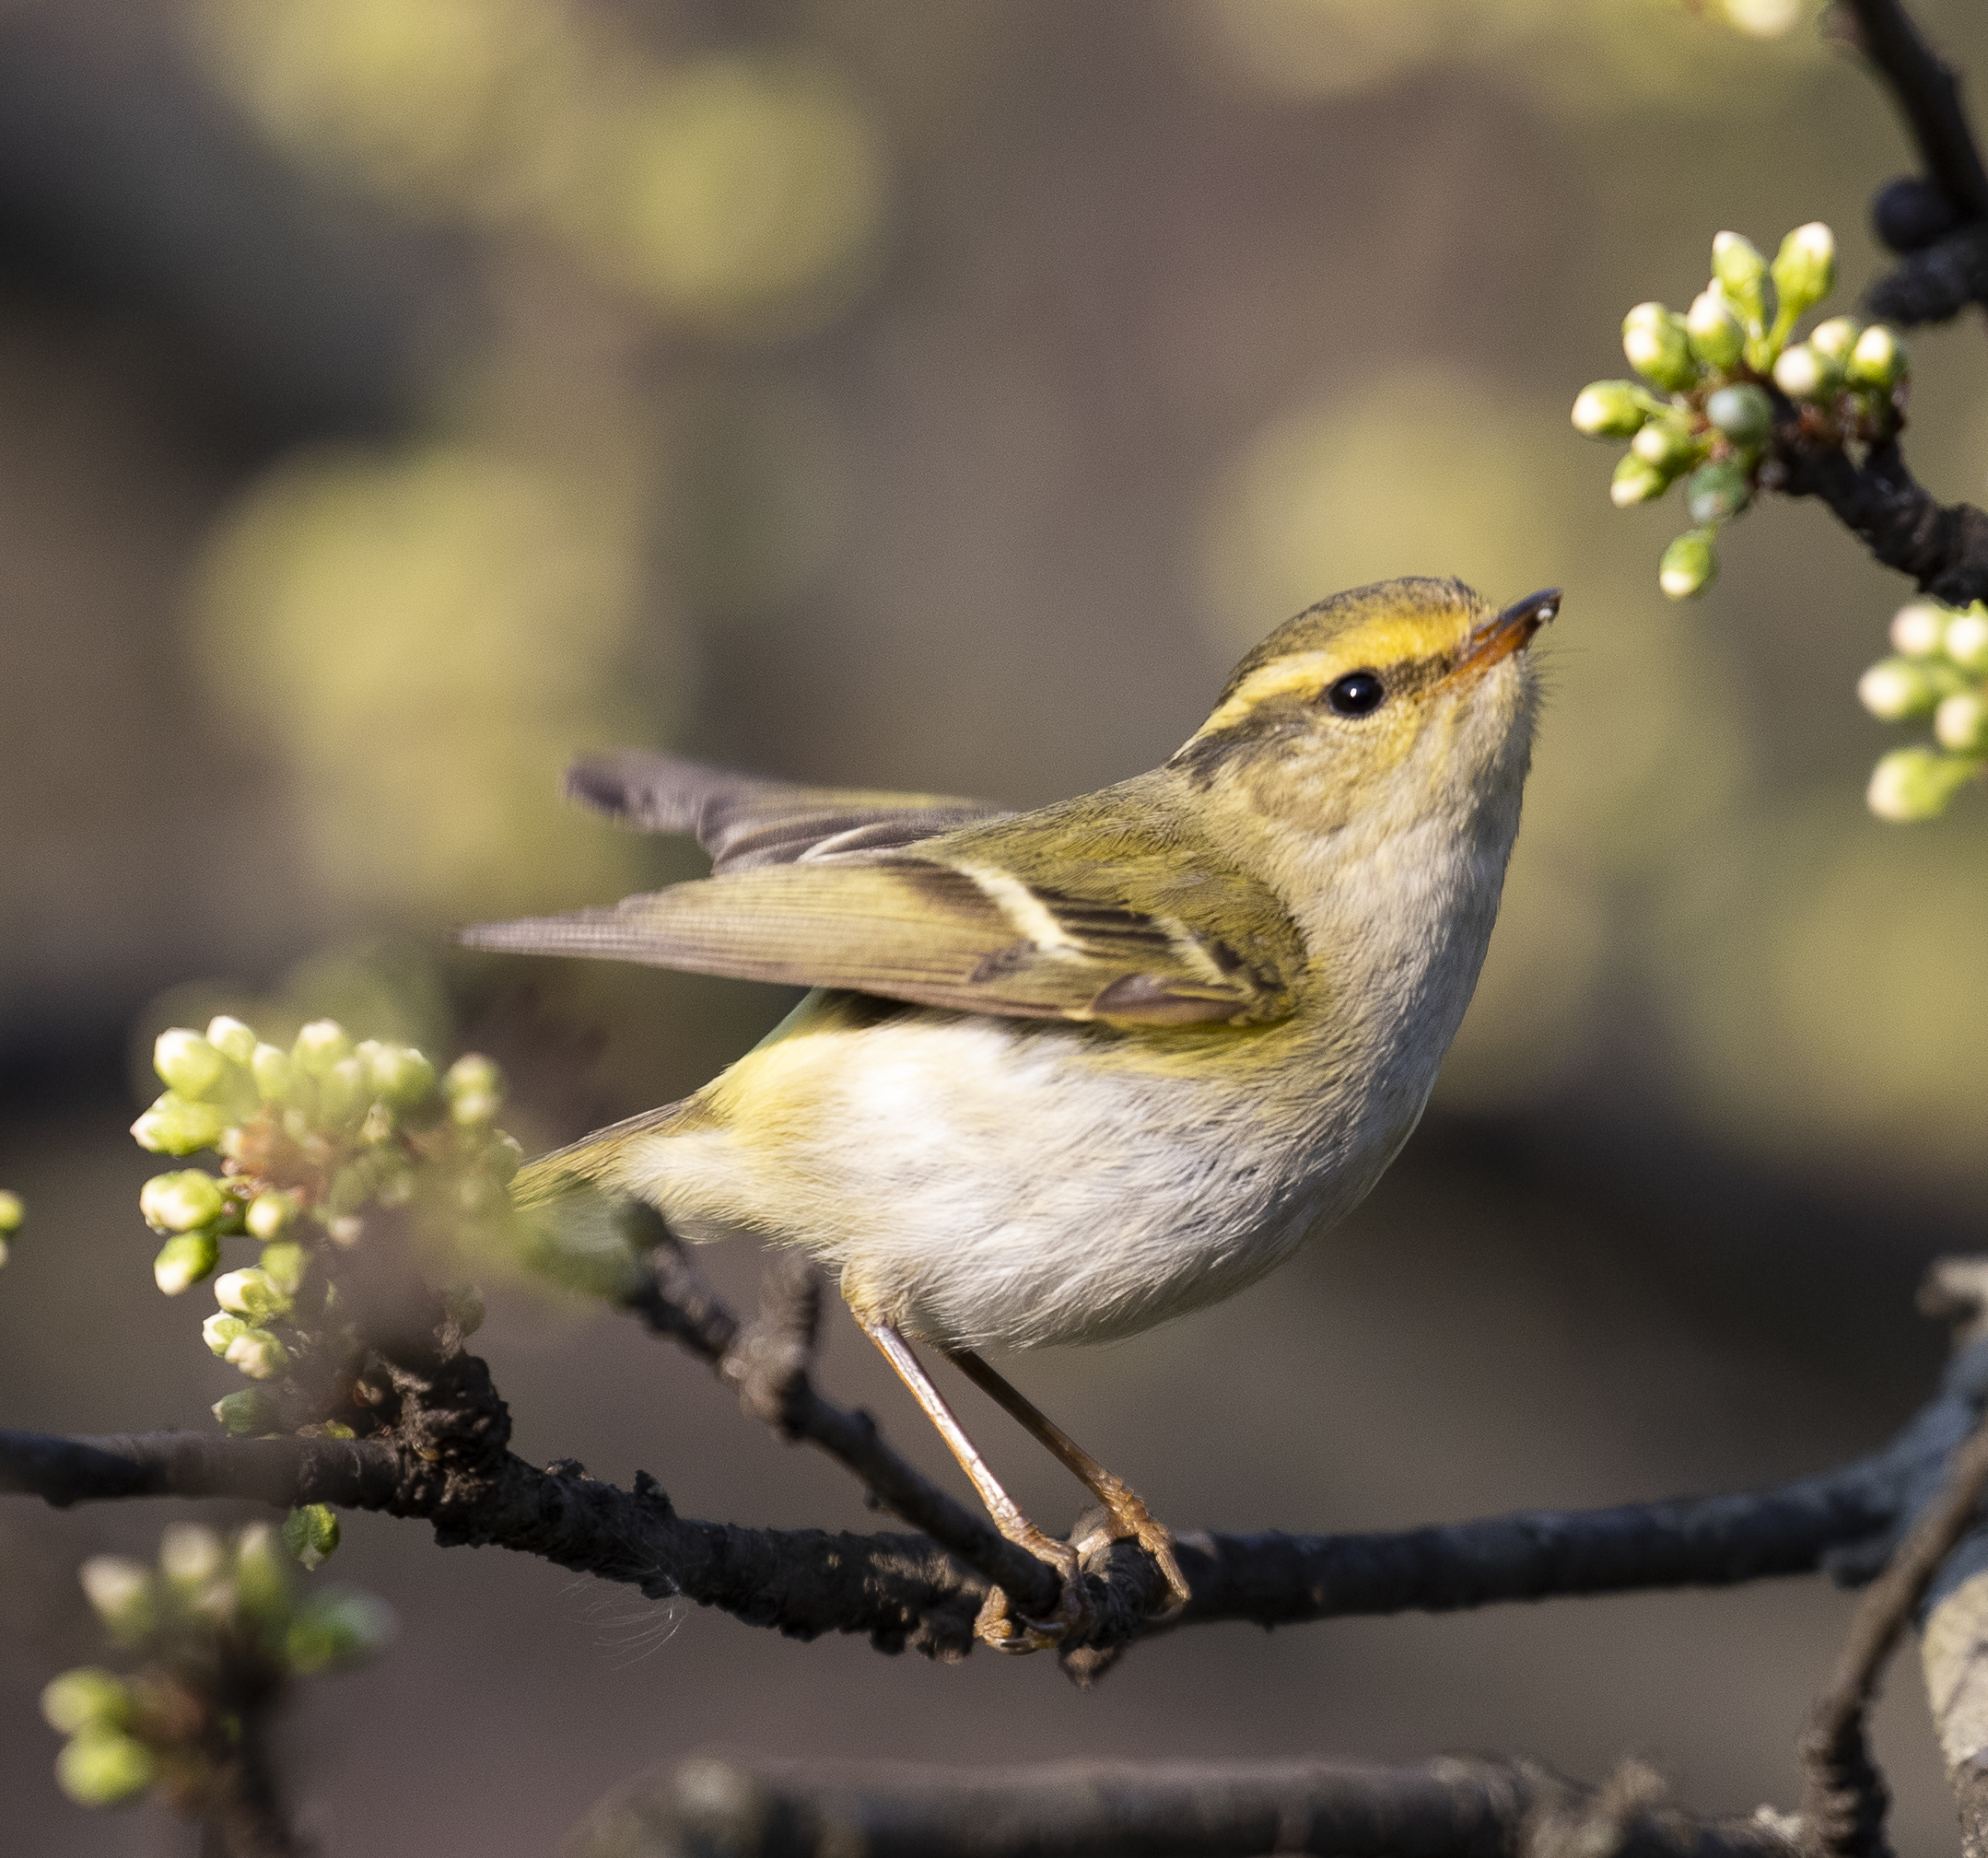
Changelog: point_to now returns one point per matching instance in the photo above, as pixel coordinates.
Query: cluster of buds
(310, 1138)
(12, 1213)
(1706, 406)
(1940, 672)
(221, 1625)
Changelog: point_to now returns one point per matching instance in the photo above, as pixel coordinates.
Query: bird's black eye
(1359, 693)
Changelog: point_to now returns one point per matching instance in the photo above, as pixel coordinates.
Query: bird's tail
(575, 1204)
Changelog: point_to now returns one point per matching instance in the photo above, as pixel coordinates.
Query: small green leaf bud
(1715, 492)
(246, 1412)
(1608, 409)
(1804, 373)
(310, 1532)
(258, 1355)
(273, 1069)
(342, 1090)
(1636, 481)
(1835, 339)
(1742, 277)
(175, 1126)
(1668, 443)
(190, 1555)
(12, 1212)
(122, 1595)
(284, 1264)
(1897, 689)
(1654, 339)
(336, 1629)
(1743, 413)
(233, 1040)
(1919, 628)
(270, 1213)
(1879, 360)
(102, 1768)
(1960, 722)
(184, 1260)
(187, 1063)
(1805, 267)
(87, 1697)
(178, 1202)
(319, 1045)
(1689, 566)
(253, 1293)
(1917, 783)
(1715, 335)
(1966, 639)
(219, 1331)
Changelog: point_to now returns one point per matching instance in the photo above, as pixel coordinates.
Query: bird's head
(1390, 702)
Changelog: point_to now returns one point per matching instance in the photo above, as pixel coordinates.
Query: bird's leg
(995, 1626)
(1134, 1521)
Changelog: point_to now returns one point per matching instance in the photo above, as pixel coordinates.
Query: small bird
(1068, 1073)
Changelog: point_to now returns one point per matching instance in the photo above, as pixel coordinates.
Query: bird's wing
(745, 819)
(1078, 912)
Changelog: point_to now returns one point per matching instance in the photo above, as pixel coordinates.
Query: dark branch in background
(1471, 1807)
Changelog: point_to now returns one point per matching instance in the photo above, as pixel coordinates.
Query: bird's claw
(1130, 1521)
(1005, 1630)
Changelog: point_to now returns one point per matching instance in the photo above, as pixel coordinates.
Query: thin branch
(1444, 1808)
(1928, 93)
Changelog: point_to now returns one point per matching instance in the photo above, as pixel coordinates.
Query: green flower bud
(319, 1045)
(1608, 409)
(1835, 339)
(1917, 783)
(1879, 360)
(272, 1071)
(1689, 566)
(1715, 335)
(399, 1076)
(251, 1293)
(1636, 481)
(336, 1630)
(310, 1532)
(284, 1264)
(102, 1768)
(1966, 637)
(12, 1212)
(269, 1213)
(219, 1331)
(121, 1593)
(1657, 347)
(187, 1063)
(1804, 373)
(1668, 443)
(1743, 413)
(1743, 278)
(464, 1304)
(1805, 267)
(1715, 492)
(258, 1355)
(1897, 689)
(174, 1125)
(87, 1697)
(246, 1412)
(474, 1072)
(190, 1555)
(1961, 723)
(233, 1040)
(342, 1092)
(1918, 629)
(184, 1260)
(263, 1571)
(178, 1202)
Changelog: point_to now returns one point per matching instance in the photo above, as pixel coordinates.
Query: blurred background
(395, 399)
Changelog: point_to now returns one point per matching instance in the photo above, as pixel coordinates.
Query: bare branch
(1469, 1808)
(1928, 91)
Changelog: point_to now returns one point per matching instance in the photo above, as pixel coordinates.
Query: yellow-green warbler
(1067, 1074)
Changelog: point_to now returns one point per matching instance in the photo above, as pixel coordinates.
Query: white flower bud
(184, 1260)
(1635, 481)
(1918, 630)
(1670, 444)
(1742, 277)
(283, 1265)
(258, 1355)
(103, 1768)
(1608, 409)
(219, 1331)
(273, 1069)
(1805, 267)
(234, 1041)
(1804, 374)
(12, 1212)
(1689, 566)
(269, 1213)
(1917, 783)
(246, 1412)
(180, 1202)
(319, 1045)
(1897, 689)
(1879, 360)
(1835, 339)
(188, 1063)
(190, 1555)
(89, 1697)
(251, 1293)
(1657, 347)
(175, 1126)
(342, 1090)
(121, 1593)
(1715, 335)
(1966, 638)
(1960, 722)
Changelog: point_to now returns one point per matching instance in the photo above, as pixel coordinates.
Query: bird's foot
(1006, 1631)
(1130, 1521)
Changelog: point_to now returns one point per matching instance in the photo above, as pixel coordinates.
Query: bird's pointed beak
(1507, 632)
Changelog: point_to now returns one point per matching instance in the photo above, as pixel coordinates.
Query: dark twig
(1928, 93)
(1444, 1808)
